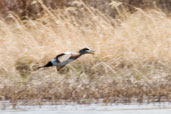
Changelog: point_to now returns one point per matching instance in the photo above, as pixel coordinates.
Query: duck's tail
(49, 64)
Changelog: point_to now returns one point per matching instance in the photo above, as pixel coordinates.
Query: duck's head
(86, 51)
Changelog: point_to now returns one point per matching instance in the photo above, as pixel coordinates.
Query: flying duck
(64, 58)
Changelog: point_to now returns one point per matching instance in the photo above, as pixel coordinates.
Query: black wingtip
(49, 64)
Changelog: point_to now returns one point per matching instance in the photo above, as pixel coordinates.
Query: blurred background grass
(32, 8)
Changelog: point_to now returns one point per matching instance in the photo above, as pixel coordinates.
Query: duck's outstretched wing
(63, 57)
(52, 62)
(60, 61)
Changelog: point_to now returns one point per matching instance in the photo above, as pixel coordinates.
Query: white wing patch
(65, 57)
(67, 53)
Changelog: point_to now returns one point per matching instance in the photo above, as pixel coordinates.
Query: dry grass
(32, 8)
(132, 60)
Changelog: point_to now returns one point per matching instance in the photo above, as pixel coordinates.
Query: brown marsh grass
(32, 8)
(131, 64)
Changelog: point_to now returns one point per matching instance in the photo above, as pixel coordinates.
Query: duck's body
(65, 58)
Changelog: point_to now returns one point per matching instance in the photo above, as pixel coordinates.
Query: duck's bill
(91, 51)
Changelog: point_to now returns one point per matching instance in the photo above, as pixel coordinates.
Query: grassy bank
(132, 60)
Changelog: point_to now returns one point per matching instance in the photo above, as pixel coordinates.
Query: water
(163, 108)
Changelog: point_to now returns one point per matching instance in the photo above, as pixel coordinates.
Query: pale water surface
(155, 108)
